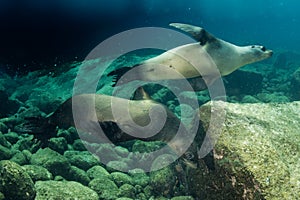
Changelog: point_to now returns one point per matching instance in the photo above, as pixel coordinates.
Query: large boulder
(53, 190)
(52, 161)
(15, 183)
(256, 155)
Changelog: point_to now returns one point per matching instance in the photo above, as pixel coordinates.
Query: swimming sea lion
(204, 54)
(90, 116)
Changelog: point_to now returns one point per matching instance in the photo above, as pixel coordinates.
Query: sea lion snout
(268, 51)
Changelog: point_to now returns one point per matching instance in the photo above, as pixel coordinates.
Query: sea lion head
(254, 53)
(227, 57)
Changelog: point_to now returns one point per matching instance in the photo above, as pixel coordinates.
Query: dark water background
(36, 34)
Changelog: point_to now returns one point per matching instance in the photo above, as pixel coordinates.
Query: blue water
(42, 31)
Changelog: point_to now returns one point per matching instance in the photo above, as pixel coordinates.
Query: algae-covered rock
(120, 178)
(81, 159)
(139, 177)
(163, 180)
(3, 141)
(183, 198)
(70, 135)
(97, 172)
(5, 153)
(256, 155)
(78, 145)
(67, 190)
(121, 151)
(142, 146)
(273, 97)
(37, 173)
(295, 84)
(58, 144)
(11, 137)
(15, 183)
(78, 175)
(116, 165)
(51, 160)
(127, 190)
(107, 153)
(105, 188)
(3, 127)
(26, 144)
(20, 158)
(2, 197)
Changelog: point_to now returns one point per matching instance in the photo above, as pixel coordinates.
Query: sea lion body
(93, 110)
(209, 58)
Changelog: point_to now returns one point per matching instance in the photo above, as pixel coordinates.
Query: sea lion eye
(252, 46)
(263, 48)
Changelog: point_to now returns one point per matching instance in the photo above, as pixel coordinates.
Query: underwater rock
(107, 153)
(105, 188)
(11, 137)
(278, 97)
(116, 165)
(250, 99)
(3, 127)
(142, 146)
(41, 100)
(81, 159)
(67, 134)
(183, 198)
(37, 173)
(256, 155)
(78, 145)
(7, 106)
(163, 180)
(2, 197)
(26, 143)
(120, 178)
(295, 85)
(51, 160)
(5, 153)
(121, 151)
(139, 177)
(3, 141)
(58, 144)
(78, 175)
(97, 172)
(15, 183)
(127, 190)
(63, 190)
(19, 158)
(141, 196)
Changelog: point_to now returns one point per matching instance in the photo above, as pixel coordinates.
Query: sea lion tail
(118, 73)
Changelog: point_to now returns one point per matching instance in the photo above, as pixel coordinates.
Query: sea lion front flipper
(118, 73)
(198, 33)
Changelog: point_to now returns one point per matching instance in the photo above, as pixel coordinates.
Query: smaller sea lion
(90, 116)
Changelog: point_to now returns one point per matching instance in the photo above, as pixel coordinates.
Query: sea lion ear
(198, 33)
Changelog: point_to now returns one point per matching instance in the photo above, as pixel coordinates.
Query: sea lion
(204, 54)
(90, 116)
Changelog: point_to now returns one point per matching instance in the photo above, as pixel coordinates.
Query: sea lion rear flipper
(141, 94)
(198, 33)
